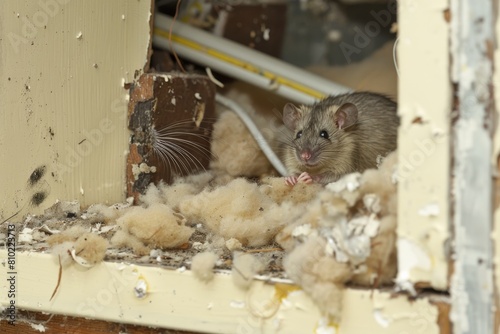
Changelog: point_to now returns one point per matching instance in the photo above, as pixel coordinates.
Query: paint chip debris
(430, 210)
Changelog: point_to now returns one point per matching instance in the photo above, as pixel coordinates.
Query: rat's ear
(346, 115)
(291, 115)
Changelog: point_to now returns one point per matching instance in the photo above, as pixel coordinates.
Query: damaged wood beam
(472, 43)
(171, 118)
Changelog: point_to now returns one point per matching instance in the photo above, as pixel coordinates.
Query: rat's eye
(324, 134)
(299, 134)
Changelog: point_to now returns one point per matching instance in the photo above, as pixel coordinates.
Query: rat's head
(320, 135)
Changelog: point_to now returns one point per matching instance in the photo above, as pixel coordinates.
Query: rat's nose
(305, 155)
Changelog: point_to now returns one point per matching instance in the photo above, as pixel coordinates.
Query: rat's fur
(353, 148)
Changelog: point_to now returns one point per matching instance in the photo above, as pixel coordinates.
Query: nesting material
(319, 274)
(245, 267)
(239, 210)
(155, 227)
(279, 192)
(71, 234)
(203, 265)
(234, 149)
(91, 247)
(347, 233)
(77, 243)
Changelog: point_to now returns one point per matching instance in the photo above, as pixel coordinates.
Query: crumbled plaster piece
(351, 241)
(141, 288)
(79, 35)
(38, 327)
(26, 236)
(302, 230)
(233, 244)
(350, 182)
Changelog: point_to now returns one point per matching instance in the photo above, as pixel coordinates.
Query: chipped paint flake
(380, 318)
(410, 257)
(430, 210)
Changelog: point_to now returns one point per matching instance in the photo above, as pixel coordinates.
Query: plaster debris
(355, 231)
(203, 264)
(38, 327)
(141, 288)
(26, 236)
(79, 35)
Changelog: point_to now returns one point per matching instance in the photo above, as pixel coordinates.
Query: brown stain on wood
(444, 323)
(60, 324)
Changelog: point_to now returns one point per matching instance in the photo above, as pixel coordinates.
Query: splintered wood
(171, 116)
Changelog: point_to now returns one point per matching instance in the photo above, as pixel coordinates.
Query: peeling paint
(472, 280)
(411, 257)
(423, 176)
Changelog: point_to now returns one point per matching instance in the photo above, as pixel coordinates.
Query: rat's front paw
(291, 180)
(305, 177)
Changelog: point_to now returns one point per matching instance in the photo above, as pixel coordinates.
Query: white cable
(394, 58)
(261, 141)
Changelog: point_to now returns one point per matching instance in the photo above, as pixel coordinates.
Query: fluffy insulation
(347, 233)
(240, 210)
(155, 227)
(235, 150)
(203, 265)
(90, 247)
(245, 267)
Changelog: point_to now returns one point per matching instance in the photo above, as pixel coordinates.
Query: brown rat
(338, 135)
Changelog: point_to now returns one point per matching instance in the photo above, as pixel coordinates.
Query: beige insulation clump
(203, 265)
(239, 210)
(279, 192)
(155, 227)
(70, 234)
(234, 149)
(245, 267)
(319, 274)
(91, 247)
(347, 233)
(181, 188)
(85, 245)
